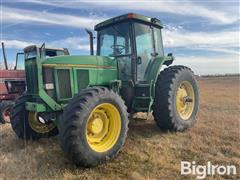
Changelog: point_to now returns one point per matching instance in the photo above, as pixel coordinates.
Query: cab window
(114, 40)
(158, 41)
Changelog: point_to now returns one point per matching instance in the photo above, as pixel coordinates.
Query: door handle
(139, 60)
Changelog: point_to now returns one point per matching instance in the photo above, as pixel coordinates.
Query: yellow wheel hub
(96, 126)
(38, 126)
(185, 99)
(103, 127)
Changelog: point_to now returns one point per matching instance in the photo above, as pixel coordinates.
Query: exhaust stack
(4, 56)
(91, 41)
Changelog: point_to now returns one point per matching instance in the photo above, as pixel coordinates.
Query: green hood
(87, 61)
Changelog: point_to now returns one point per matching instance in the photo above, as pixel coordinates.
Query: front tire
(26, 124)
(94, 126)
(176, 99)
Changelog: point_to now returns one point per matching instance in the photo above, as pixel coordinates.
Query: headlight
(49, 86)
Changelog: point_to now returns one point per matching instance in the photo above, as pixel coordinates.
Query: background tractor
(12, 80)
(12, 84)
(88, 99)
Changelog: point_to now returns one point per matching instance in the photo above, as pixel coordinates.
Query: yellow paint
(76, 65)
(185, 100)
(96, 126)
(103, 127)
(37, 126)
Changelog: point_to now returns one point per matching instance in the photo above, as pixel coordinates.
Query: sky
(201, 34)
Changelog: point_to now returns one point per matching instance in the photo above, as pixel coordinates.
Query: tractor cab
(135, 41)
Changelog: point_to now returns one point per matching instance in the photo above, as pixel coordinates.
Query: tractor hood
(81, 61)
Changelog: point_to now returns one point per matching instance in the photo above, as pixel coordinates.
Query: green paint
(35, 107)
(88, 61)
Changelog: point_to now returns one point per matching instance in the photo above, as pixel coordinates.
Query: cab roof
(31, 47)
(142, 18)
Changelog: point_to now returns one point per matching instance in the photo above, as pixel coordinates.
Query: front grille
(31, 76)
(64, 83)
(48, 79)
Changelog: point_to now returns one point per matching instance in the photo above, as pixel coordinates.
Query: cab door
(147, 57)
(145, 51)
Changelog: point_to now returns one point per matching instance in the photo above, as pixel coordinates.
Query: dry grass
(148, 153)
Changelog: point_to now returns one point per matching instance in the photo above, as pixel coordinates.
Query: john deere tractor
(87, 99)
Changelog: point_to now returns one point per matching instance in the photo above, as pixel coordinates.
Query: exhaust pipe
(91, 41)
(4, 56)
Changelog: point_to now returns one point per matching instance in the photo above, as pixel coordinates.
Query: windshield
(52, 53)
(31, 54)
(114, 40)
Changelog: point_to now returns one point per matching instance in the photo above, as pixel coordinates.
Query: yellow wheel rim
(103, 127)
(185, 100)
(37, 126)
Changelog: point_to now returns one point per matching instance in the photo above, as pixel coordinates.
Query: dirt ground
(148, 152)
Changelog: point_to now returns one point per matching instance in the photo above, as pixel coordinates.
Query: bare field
(148, 152)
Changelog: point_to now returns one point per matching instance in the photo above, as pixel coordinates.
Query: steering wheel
(118, 48)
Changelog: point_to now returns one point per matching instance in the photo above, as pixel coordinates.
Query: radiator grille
(31, 76)
(64, 83)
(82, 79)
(48, 79)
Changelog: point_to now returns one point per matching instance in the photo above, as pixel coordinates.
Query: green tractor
(87, 99)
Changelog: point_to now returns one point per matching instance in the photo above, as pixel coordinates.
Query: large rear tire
(94, 126)
(176, 99)
(27, 125)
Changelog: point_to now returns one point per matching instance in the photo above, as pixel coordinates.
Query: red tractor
(12, 84)
(12, 80)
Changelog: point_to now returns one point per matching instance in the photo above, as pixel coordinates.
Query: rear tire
(93, 127)
(21, 121)
(5, 110)
(176, 99)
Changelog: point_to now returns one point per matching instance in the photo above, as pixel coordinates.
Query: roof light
(131, 15)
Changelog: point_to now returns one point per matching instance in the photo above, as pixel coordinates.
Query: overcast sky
(202, 34)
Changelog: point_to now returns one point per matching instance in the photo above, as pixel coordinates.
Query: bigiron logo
(201, 171)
